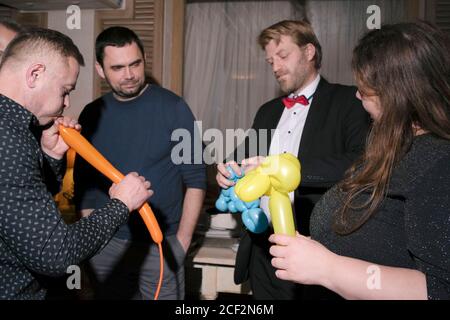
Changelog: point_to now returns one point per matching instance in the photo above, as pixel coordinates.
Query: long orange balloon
(76, 141)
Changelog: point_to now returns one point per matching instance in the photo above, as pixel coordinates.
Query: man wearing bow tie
(323, 124)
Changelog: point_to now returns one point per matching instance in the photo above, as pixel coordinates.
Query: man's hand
(247, 165)
(223, 174)
(251, 163)
(52, 143)
(192, 205)
(133, 190)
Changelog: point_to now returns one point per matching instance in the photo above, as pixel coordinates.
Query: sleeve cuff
(57, 165)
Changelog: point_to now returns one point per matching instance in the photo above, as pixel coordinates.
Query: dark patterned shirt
(34, 240)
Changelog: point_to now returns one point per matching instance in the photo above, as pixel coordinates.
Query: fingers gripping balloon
(77, 142)
(252, 216)
(275, 177)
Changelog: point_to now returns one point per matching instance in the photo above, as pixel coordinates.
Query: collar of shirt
(16, 112)
(309, 90)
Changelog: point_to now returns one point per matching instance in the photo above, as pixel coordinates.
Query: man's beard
(297, 80)
(127, 95)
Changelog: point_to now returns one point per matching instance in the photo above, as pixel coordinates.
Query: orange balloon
(86, 150)
(71, 158)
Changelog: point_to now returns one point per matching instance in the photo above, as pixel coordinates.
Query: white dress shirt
(289, 132)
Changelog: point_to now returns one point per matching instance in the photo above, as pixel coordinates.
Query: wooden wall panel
(38, 19)
(443, 14)
(31, 19)
(438, 12)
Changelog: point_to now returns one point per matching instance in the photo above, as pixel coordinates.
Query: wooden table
(216, 259)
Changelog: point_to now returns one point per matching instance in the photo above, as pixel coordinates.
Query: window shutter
(443, 14)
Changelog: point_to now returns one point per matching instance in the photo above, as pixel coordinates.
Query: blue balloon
(255, 220)
(226, 192)
(253, 217)
(233, 176)
(221, 203)
(240, 205)
(252, 204)
(232, 207)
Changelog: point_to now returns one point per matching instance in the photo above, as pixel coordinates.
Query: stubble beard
(126, 95)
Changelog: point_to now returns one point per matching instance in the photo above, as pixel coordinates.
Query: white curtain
(339, 25)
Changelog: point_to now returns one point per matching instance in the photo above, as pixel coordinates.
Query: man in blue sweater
(132, 126)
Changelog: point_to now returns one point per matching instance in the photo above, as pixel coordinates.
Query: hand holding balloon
(76, 141)
(133, 190)
(51, 142)
(252, 216)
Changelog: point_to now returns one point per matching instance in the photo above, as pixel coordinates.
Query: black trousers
(265, 285)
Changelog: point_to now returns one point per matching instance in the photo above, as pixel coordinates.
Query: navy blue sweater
(136, 136)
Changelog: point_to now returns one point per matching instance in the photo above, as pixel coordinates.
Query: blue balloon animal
(253, 217)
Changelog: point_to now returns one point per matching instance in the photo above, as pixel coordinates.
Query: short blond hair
(301, 32)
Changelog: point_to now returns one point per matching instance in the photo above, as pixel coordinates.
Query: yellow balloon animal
(275, 177)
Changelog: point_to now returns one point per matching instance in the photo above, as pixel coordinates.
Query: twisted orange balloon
(76, 141)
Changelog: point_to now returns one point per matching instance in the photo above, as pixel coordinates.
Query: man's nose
(129, 73)
(276, 66)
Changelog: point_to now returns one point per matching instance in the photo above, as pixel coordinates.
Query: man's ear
(99, 69)
(34, 74)
(310, 52)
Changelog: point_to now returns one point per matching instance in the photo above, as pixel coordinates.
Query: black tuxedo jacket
(333, 137)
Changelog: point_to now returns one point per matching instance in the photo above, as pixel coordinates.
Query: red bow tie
(290, 102)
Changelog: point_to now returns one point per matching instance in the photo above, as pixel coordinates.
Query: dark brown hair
(408, 67)
(117, 37)
(301, 32)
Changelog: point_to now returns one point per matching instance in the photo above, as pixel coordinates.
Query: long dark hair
(408, 67)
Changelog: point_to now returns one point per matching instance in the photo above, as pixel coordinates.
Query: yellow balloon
(281, 213)
(252, 186)
(275, 177)
(284, 171)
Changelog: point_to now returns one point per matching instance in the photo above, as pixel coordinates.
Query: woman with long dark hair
(384, 231)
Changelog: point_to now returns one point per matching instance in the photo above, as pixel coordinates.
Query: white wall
(84, 38)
